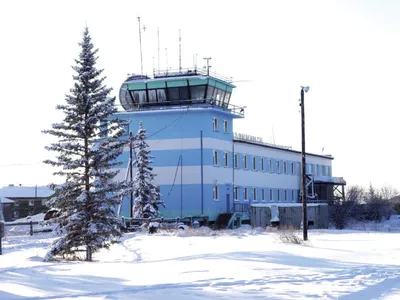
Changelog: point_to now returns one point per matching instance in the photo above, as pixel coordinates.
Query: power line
(19, 165)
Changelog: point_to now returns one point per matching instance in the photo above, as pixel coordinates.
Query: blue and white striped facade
(202, 170)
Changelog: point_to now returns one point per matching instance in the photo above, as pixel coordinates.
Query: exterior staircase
(223, 220)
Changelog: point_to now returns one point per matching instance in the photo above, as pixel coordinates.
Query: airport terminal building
(203, 167)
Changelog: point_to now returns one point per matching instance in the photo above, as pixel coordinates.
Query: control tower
(188, 117)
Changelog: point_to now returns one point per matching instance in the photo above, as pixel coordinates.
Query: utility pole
(131, 176)
(303, 164)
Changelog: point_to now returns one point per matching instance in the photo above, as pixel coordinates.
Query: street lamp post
(303, 164)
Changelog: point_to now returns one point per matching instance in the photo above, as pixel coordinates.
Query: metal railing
(189, 72)
(241, 207)
(178, 104)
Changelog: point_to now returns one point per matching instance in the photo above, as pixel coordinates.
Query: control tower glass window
(178, 93)
(210, 92)
(152, 96)
(197, 92)
(161, 95)
(139, 97)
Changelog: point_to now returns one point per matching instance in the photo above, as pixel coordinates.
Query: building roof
(6, 200)
(12, 191)
(282, 148)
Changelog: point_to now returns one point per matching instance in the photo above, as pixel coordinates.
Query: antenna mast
(208, 64)
(158, 42)
(166, 58)
(140, 43)
(180, 52)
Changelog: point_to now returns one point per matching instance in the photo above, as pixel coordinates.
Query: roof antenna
(154, 67)
(208, 64)
(140, 43)
(273, 135)
(180, 52)
(158, 42)
(166, 58)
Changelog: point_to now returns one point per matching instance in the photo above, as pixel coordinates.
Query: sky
(347, 51)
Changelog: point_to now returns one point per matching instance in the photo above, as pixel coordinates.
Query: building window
(235, 193)
(245, 194)
(278, 195)
(226, 129)
(254, 194)
(285, 167)
(262, 194)
(285, 195)
(236, 160)
(254, 163)
(293, 196)
(271, 195)
(262, 164)
(292, 168)
(216, 192)
(226, 161)
(215, 158)
(215, 124)
(278, 166)
(31, 202)
(244, 161)
(270, 165)
(317, 170)
(323, 171)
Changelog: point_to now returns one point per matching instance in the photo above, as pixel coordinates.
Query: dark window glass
(152, 96)
(197, 92)
(183, 93)
(210, 92)
(173, 94)
(162, 97)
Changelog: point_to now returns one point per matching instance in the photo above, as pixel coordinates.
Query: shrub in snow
(89, 142)
(288, 235)
(147, 197)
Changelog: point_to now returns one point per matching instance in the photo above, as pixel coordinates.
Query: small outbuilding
(289, 214)
(6, 208)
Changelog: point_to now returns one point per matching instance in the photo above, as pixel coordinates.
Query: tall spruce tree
(147, 196)
(89, 143)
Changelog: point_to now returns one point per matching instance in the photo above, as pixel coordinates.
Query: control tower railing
(189, 72)
(178, 104)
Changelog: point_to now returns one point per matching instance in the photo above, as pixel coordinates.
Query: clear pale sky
(347, 51)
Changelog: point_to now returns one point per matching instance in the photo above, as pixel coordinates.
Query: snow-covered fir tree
(147, 196)
(89, 143)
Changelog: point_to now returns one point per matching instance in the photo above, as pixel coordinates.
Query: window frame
(271, 195)
(262, 162)
(216, 192)
(254, 194)
(226, 127)
(236, 160)
(226, 159)
(215, 124)
(262, 194)
(245, 194)
(254, 163)
(245, 166)
(215, 157)
(236, 193)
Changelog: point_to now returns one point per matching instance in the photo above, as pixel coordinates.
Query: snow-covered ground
(239, 264)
